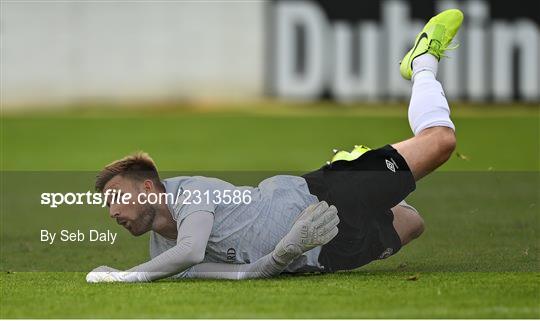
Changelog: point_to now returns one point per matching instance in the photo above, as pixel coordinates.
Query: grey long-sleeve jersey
(244, 232)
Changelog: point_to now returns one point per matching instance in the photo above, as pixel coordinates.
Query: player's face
(135, 217)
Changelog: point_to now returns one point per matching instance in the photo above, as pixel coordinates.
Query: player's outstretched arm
(316, 226)
(189, 251)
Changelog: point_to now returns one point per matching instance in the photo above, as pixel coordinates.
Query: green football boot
(435, 39)
(357, 151)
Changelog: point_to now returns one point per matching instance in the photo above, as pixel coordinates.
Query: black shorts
(364, 191)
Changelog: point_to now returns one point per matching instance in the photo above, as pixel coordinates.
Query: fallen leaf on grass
(461, 156)
(413, 277)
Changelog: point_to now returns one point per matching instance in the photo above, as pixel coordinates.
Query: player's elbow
(195, 257)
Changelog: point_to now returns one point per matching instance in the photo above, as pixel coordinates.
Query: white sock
(423, 63)
(428, 106)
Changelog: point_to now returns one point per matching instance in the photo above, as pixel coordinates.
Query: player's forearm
(171, 262)
(193, 236)
(175, 260)
(265, 267)
(192, 239)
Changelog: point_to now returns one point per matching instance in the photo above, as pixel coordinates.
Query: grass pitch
(479, 257)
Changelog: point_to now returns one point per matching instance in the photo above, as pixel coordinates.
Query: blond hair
(138, 166)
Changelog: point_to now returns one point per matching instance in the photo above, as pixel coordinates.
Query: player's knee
(418, 226)
(449, 141)
(446, 142)
(408, 224)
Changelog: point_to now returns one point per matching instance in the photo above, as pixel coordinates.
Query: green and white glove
(316, 226)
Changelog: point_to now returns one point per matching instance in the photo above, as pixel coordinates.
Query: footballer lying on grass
(286, 223)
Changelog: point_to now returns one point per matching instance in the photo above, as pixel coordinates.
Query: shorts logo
(389, 251)
(231, 255)
(390, 165)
